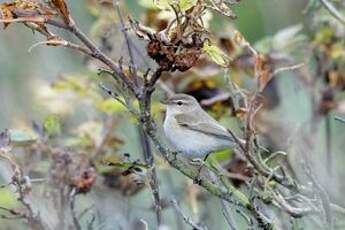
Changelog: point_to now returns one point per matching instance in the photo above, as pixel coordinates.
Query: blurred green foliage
(72, 114)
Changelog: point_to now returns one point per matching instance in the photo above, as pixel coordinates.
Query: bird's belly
(194, 144)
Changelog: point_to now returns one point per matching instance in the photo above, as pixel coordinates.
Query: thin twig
(108, 127)
(247, 150)
(15, 214)
(340, 119)
(147, 151)
(133, 68)
(333, 11)
(22, 184)
(229, 219)
(170, 183)
(287, 68)
(96, 52)
(328, 132)
(72, 197)
(296, 212)
(186, 219)
(325, 201)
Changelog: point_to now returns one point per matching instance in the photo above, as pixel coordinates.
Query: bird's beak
(164, 101)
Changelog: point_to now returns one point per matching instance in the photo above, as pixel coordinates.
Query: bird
(191, 130)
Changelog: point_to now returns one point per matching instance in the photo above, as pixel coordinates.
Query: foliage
(110, 141)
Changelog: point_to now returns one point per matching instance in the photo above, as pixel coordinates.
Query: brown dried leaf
(72, 169)
(263, 71)
(6, 12)
(223, 8)
(63, 9)
(4, 141)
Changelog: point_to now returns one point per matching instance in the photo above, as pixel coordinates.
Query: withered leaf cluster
(175, 56)
(35, 15)
(179, 45)
(73, 170)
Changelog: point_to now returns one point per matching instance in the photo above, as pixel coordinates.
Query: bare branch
(72, 197)
(325, 201)
(227, 215)
(186, 219)
(293, 211)
(147, 150)
(287, 68)
(96, 53)
(133, 68)
(333, 11)
(23, 188)
(340, 119)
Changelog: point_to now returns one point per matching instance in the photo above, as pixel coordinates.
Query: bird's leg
(200, 164)
(207, 155)
(175, 155)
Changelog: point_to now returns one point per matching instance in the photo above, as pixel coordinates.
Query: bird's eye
(179, 103)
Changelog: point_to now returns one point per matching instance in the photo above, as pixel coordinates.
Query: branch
(227, 215)
(333, 11)
(147, 150)
(325, 201)
(133, 68)
(64, 43)
(14, 214)
(186, 219)
(72, 197)
(340, 119)
(96, 53)
(292, 211)
(23, 187)
(287, 68)
(248, 153)
(219, 191)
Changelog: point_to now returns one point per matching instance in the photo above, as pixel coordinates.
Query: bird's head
(181, 103)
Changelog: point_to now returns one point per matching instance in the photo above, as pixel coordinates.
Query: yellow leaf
(216, 54)
(73, 84)
(187, 4)
(22, 138)
(61, 6)
(164, 4)
(109, 106)
(337, 50)
(52, 125)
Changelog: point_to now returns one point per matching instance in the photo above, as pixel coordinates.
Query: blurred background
(26, 96)
(22, 70)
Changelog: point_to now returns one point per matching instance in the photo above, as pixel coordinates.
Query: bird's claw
(199, 163)
(197, 180)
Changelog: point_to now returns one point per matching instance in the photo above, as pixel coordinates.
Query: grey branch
(333, 11)
(186, 219)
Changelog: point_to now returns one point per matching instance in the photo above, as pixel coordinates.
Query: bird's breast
(189, 142)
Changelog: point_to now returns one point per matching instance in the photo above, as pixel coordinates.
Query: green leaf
(21, 138)
(164, 4)
(187, 4)
(73, 84)
(52, 125)
(109, 106)
(8, 198)
(216, 54)
(184, 5)
(81, 141)
(223, 155)
(288, 38)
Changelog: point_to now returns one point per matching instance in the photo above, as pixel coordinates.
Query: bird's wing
(206, 126)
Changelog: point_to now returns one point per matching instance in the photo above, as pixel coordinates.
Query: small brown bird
(191, 131)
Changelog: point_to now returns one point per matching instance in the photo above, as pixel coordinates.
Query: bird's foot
(175, 155)
(197, 162)
(200, 164)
